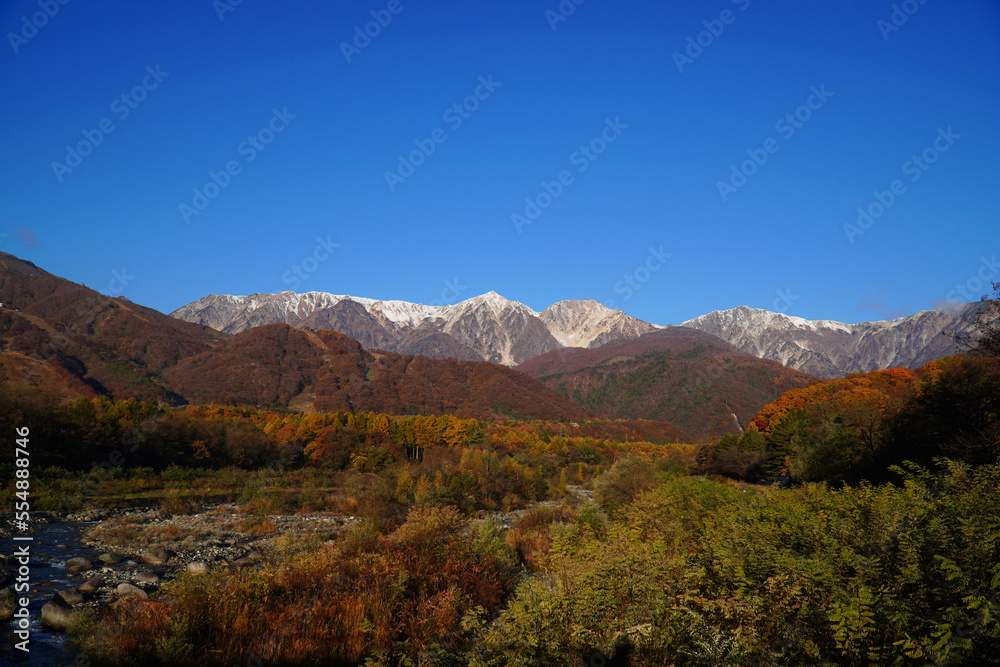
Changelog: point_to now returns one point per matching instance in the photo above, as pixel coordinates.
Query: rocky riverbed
(97, 557)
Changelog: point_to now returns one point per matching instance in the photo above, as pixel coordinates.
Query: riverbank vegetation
(688, 571)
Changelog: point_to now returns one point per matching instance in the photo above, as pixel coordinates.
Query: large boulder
(197, 567)
(71, 596)
(78, 564)
(91, 585)
(126, 590)
(56, 615)
(156, 556)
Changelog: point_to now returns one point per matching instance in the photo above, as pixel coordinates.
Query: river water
(53, 544)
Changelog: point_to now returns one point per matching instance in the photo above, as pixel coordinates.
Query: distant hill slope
(677, 339)
(276, 364)
(678, 375)
(834, 349)
(53, 328)
(68, 338)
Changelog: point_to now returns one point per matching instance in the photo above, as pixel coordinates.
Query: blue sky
(641, 138)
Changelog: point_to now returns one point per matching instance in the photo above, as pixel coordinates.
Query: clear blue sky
(656, 185)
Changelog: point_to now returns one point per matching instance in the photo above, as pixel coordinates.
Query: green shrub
(491, 541)
(624, 481)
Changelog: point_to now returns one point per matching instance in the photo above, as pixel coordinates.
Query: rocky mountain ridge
(484, 328)
(492, 328)
(834, 349)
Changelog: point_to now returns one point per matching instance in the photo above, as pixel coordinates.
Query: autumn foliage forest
(853, 522)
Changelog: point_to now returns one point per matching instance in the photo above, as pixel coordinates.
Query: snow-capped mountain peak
(832, 349)
(493, 301)
(590, 324)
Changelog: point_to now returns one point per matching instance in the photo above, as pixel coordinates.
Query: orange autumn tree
(880, 386)
(333, 446)
(454, 432)
(832, 430)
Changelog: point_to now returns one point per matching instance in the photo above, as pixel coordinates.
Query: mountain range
(492, 328)
(486, 357)
(484, 328)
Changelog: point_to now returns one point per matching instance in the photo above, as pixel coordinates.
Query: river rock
(197, 567)
(56, 615)
(147, 577)
(243, 562)
(129, 590)
(91, 585)
(8, 604)
(156, 556)
(255, 556)
(71, 596)
(78, 564)
(108, 558)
